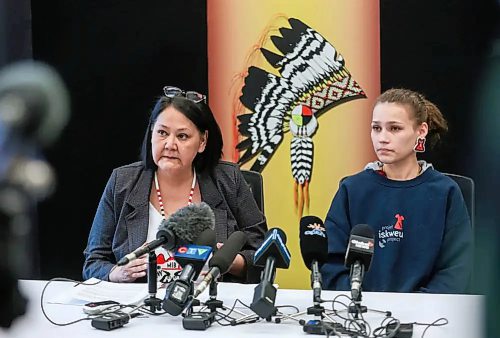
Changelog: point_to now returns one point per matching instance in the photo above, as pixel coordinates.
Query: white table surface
(464, 313)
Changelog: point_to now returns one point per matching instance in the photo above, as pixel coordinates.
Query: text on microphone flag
(316, 230)
(193, 251)
(362, 244)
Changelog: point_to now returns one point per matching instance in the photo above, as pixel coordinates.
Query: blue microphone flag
(274, 245)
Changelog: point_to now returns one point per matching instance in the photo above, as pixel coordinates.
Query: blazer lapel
(211, 195)
(138, 216)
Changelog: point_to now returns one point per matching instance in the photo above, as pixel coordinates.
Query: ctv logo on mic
(193, 251)
(316, 229)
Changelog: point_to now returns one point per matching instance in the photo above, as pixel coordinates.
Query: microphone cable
(433, 324)
(356, 325)
(105, 311)
(63, 280)
(232, 321)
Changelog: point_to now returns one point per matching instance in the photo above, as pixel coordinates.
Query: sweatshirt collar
(377, 165)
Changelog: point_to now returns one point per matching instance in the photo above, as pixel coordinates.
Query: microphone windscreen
(313, 240)
(40, 91)
(206, 238)
(363, 230)
(361, 246)
(189, 222)
(226, 254)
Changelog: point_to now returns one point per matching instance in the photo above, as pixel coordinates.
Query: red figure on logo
(160, 259)
(399, 222)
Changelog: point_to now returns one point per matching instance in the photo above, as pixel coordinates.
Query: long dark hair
(202, 117)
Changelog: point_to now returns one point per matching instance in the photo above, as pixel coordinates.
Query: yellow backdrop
(342, 142)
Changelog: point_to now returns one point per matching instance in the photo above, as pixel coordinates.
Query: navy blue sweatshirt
(423, 236)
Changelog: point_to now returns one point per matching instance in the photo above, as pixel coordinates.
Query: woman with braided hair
(422, 231)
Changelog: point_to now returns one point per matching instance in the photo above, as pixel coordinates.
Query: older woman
(180, 165)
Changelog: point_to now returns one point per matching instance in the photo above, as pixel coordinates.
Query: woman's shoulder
(227, 166)
(356, 178)
(130, 168)
(443, 181)
(129, 173)
(227, 174)
(225, 169)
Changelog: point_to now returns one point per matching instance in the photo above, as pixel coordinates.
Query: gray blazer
(121, 222)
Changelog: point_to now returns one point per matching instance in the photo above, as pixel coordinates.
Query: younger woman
(422, 231)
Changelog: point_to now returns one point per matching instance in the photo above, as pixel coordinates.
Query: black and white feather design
(301, 150)
(313, 79)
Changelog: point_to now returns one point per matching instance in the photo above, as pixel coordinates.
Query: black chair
(256, 185)
(467, 187)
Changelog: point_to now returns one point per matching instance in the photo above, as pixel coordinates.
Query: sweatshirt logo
(399, 222)
(391, 233)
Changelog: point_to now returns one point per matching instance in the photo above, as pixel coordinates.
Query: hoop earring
(419, 145)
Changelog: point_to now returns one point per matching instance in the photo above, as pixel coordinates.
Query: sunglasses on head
(190, 95)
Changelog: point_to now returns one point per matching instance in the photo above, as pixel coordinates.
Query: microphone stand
(201, 320)
(317, 309)
(188, 311)
(15, 205)
(356, 297)
(153, 302)
(357, 308)
(213, 303)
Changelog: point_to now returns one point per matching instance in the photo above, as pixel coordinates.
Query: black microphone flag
(361, 246)
(359, 256)
(313, 240)
(272, 254)
(314, 249)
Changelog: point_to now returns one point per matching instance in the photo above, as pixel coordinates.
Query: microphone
(314, 249)
(206, 238)
(34, 101)
(221, 261)
(359, 256)
(272, 254)
(188, 223)
(34, 108)
(182, 227)
(192, 258)
(196, 254)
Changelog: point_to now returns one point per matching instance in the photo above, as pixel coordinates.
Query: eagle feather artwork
(313, 80)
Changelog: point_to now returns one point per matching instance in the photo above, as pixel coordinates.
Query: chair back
(467, 187)
(255, 183)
